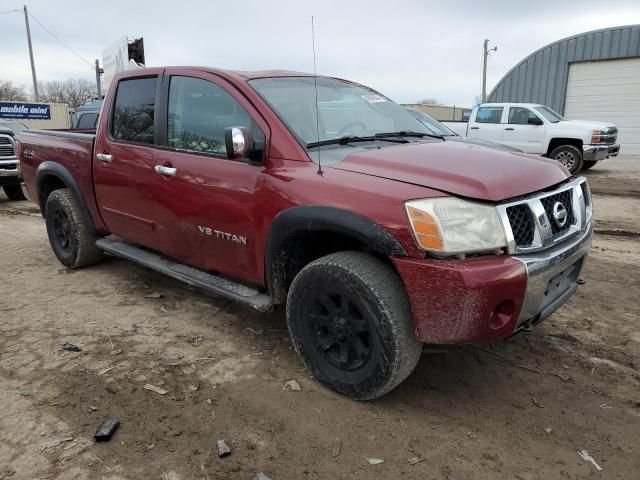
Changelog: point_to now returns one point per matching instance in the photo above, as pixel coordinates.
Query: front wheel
(350, 322)
(569, 156)
(14, 192)
(586, 165)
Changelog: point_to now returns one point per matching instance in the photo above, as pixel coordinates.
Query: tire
(14, 192)
(353, 302)
(586, 165)
(71, 238)
(569, 156)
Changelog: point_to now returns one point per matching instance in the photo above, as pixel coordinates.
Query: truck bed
(67, 150)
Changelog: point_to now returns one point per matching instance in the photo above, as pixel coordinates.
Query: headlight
(450, 225)
(597, 136)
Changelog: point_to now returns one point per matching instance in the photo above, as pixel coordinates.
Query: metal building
(591, 76)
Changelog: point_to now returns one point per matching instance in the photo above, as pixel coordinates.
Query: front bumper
(592, 153)
(9, 172)
(490, 298)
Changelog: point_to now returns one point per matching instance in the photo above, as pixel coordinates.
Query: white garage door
(608, 91)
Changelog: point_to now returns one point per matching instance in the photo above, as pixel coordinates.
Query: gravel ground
(518, 410)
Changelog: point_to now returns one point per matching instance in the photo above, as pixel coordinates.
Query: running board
(198, 278)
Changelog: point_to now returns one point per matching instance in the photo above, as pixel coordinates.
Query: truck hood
(460, 169)
(573, 124)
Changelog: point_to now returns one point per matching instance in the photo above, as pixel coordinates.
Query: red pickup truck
(281, 188)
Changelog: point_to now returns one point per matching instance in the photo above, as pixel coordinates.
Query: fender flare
(326, 219)
(57, 170)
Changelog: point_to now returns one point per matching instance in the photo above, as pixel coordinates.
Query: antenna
(315, 85)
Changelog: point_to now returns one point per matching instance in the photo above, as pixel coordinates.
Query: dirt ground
(516, 410)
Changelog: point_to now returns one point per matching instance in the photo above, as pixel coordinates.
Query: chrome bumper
(10, 168)
(593, 153)
(552, 278)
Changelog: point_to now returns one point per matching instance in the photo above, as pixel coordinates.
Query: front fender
(303, 219)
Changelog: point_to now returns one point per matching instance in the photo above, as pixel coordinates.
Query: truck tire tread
(83, 251)
(381, 287)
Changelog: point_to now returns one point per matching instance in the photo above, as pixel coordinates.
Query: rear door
(521, 130)
(124, 165)
(206, 207)
(487, 124)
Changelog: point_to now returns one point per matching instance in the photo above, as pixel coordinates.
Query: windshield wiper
(408, 133)
(351, 139)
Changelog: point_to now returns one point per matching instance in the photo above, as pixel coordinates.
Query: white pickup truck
(537, 129)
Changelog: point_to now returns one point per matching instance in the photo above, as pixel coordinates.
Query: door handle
(475, 128)
(104, 157)
(509, 129)
(170, 171)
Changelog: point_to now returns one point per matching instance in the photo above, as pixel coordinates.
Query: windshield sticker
(373, 98)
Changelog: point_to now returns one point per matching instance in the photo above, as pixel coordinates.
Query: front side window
(134, 110)
(199, 113)
(551, 115)
(489, 115)
(521, 116)
(343, 108)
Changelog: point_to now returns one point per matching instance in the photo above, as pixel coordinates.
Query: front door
(124, 164)
(524, 130)
(205, 204)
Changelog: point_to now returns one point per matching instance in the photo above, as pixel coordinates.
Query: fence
(440, 112)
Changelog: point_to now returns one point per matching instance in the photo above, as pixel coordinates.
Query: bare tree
(429, 101)
(11, 92)
(73, 92)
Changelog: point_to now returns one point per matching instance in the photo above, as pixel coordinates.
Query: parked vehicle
(437, 128)
(86, 116)
(537, 129)
(9, 163)
(281, 188)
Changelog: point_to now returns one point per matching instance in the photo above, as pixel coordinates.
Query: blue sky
(406, 49)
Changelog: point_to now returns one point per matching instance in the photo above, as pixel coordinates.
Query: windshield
(14, 126)
(432, 124)
(344, 109)
(546, 112)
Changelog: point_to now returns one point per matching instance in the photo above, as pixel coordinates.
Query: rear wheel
(586, 165)
(71, 238)
(13, 192)
(350, 321)
(569, 156)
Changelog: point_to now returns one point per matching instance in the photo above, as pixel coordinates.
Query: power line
(61, 42)
(10, 11)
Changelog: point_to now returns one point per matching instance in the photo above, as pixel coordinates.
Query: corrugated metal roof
(542, 76)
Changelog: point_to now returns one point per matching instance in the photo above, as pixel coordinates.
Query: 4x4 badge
(560, 214)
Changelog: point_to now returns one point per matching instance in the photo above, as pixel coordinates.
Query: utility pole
(33, 65)
(485, 52)
(98, 72)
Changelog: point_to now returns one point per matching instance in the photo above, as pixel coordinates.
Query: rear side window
(134, 110)
(489, 115)
(199, 112)
(88, 120)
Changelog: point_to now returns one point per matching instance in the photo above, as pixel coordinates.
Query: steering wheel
(344, 130)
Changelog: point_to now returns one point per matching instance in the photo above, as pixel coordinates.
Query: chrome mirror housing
(237, 142)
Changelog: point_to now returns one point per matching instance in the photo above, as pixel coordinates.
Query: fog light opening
(502, 314)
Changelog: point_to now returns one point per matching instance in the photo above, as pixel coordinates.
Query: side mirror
(237, 142)
(534, 121)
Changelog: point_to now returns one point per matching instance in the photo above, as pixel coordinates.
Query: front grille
(522, 224)
(6, 147)
(566, 199)
(531, 221)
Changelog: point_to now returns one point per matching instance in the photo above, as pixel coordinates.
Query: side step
(198, 278)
